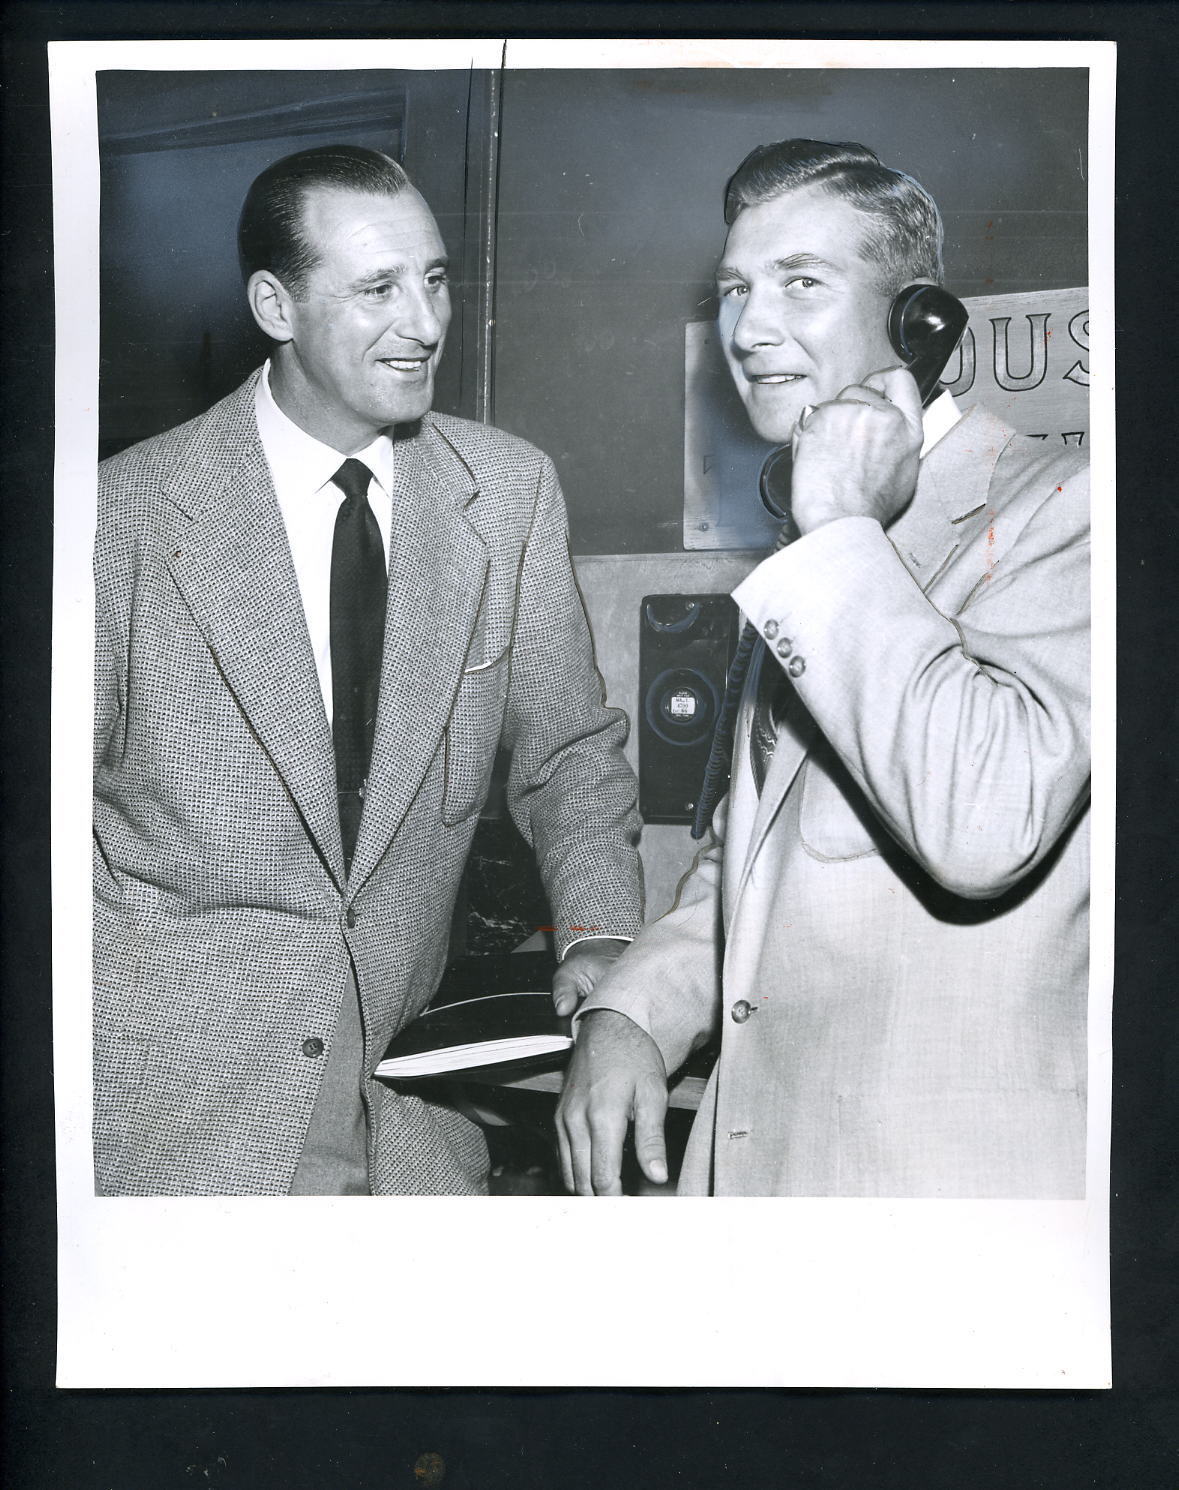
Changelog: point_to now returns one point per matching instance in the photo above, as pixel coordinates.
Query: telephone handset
(925, 325)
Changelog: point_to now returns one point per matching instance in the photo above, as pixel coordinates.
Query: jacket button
(312, 1047)
(350, 918)
(785, 647)
(770, 629)
(740, 1011)
(797, 667)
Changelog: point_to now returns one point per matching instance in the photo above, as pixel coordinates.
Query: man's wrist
(808, 522)
(588, 945)
(819, 513)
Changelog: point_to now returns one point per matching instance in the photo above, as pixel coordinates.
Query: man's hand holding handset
(857, 455)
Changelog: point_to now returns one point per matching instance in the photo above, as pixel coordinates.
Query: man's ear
(270, 304)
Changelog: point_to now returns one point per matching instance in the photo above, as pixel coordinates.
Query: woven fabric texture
(223, 919)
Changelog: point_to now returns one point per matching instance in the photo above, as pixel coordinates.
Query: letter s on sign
(1078, 329)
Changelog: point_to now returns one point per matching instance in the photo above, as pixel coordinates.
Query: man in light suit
(887, 934)
(292, 749)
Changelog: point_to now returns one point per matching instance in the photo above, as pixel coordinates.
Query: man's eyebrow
(395, 271)
(789, 262)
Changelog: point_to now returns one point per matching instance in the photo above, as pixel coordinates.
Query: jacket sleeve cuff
(790, 595)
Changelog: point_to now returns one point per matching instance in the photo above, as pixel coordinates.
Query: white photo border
(198, 1293)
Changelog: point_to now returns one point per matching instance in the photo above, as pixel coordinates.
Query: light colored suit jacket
(223, 923)
(891, 944)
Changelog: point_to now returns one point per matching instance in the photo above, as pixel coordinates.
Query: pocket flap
(472, 737)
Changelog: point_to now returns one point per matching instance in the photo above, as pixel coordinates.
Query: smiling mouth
(405, 364)
(764, 379)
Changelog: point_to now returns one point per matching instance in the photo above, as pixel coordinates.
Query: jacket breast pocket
(472, 736)
(836, 821)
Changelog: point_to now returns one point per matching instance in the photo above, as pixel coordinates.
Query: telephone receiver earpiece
(925, 325)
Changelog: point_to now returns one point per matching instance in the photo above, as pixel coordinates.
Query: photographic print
(608, 523)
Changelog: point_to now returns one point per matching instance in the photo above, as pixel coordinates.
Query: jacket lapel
(233, 566)
(796, 733)
(437, 570)
(951, 499)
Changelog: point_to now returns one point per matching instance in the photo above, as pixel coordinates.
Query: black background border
(564, 1440)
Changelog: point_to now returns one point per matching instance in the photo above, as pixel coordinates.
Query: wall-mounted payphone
(685, 643)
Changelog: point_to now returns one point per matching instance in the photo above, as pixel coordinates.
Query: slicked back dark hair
(270, 231)
(904, 236)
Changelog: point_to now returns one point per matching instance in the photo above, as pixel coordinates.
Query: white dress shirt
(302, 468)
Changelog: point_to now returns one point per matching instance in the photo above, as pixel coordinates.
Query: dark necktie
(768, 707)
(764, 730)
(358, 589)
(772, 692)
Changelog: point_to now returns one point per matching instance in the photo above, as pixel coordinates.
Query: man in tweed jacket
(246, 983)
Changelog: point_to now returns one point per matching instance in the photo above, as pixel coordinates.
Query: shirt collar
(938, 420)
(297, 460)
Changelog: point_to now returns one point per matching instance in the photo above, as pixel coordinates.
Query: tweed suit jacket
(891, 943)
(224, 925)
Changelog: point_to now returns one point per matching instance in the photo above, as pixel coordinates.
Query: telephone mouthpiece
(773, 486)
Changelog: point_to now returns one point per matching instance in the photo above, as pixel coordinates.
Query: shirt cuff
(594, 936)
